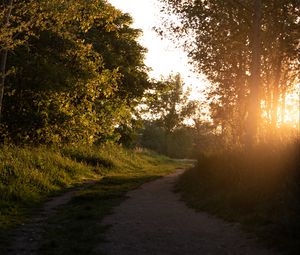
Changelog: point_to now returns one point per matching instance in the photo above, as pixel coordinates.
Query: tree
(3, 51)
(228, 41)
(66, 86)
(168, 103)
(281, 54)
(169, 106)
(120, 49)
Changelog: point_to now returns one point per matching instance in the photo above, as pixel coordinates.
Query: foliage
(153, 137)
(129, 133)
(165, 108)
(183, 142)
(120, 50)
(77, 74)
(168, 103)
(218, 36)
(258, 188)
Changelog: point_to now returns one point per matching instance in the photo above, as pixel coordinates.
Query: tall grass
(259, 188)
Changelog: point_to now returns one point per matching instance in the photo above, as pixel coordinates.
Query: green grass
(28, 176)
(260, 189)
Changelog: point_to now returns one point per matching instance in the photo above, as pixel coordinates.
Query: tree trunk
(283, 106)
(268, 97)
(3, 56)
(254, 96)
(275, 101)
(284, 87)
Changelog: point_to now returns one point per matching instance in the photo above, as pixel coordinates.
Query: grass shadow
(88, 158)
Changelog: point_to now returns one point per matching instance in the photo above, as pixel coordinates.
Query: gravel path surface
(154, 221)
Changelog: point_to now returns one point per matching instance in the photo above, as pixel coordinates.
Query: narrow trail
(153, 221)
(28, 237)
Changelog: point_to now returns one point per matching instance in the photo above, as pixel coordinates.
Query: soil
(153, 220)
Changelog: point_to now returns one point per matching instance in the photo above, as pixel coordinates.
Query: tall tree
(236, 45)
(169, 106)
(72, 78)
(168, 103)
(255, 85)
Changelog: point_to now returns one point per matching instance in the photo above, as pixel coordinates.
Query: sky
(163, 57)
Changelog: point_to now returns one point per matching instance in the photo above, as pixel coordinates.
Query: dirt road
(154, 221)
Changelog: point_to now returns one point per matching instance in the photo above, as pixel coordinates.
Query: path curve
(153, 221)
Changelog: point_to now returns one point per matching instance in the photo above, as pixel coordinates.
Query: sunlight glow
(162, 57)
(292, 110)
(289, 115)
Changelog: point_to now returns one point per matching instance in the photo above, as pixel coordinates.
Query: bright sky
(164, 58)
(162, 55)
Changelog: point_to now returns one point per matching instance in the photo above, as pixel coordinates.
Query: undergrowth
(258, 188)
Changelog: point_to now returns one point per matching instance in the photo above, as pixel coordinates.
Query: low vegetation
(28, 176)
(260, 189)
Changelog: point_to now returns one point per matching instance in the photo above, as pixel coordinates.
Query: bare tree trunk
(255, 81)
(275, 101)
(284, 87)
(283, 106)
(3, 56)
(268, 97)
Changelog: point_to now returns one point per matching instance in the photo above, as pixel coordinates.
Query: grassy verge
(260, 189)
(28, 176)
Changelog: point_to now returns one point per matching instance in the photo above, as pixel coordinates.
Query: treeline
(74, 71)
(249, 51)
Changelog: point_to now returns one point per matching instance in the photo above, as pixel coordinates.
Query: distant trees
(168, 103)
(177, 144)
(167, 107)
(75, 71)
(248, 50)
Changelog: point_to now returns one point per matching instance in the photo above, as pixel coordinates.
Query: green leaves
(168, 104)
(78, 71)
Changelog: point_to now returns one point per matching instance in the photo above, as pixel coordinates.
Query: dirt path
(154, 221)
(27, 238)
